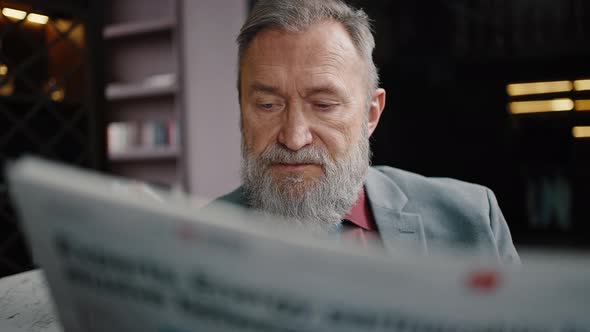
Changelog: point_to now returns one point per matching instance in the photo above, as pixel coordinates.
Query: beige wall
(212, 136)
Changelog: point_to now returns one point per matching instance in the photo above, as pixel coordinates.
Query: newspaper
(119, 257)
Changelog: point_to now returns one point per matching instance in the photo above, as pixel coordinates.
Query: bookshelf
(143, 91)
(123, 30)
(146, 154)
(119, 92)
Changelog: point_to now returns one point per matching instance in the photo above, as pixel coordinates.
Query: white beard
(315, 205)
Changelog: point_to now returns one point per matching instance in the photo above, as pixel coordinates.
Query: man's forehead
(328, 41)
(309, 88)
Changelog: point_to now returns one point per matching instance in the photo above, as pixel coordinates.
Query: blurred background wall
(146, 89)
(211, 101)
(447, 66)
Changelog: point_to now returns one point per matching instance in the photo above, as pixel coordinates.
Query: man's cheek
(337, 138)
(257, 141)
(252, 143)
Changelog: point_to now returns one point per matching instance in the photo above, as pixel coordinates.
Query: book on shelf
(151, 86)
(145, 135)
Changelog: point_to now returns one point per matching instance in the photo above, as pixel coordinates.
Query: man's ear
(375, 109)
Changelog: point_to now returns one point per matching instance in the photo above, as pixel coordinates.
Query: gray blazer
(419, 214)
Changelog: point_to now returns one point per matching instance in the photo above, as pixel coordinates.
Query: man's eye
(267, 107)
(324, 107)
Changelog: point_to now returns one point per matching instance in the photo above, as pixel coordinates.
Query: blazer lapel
(400, 231)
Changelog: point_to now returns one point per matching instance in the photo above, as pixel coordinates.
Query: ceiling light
(581, 131)
(582, 105)
(36, 18)
(534, 88)
(581, 85)
(14, 13)
(538, 106)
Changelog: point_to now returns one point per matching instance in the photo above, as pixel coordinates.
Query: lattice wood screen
(47, 102)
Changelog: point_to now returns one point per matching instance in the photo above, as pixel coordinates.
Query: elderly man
(310, 100)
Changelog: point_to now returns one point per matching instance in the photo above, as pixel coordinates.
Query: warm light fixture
(538, 106)
(535, 88)
(57, 95)
(14, 13)
(582, 105)
(3, 70)
(581, 131)
(36, 18)
(581, 85)
(21, 15)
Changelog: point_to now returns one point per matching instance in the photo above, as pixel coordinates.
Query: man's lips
(293, 166)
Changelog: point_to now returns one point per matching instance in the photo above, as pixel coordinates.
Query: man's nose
(295, 132)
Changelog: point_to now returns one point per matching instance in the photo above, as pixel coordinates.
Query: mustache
(279, 154)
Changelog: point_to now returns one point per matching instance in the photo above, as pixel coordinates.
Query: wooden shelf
(145, 154)
(143, 89)
(123, 30)
(116, 92)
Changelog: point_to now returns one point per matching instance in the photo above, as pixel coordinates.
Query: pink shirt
(362, 228)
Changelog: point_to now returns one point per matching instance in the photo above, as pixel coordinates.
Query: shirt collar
(360, 214)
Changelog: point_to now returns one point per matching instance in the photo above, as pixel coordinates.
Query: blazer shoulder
(437, 191)
(405, 178)
(456, 212)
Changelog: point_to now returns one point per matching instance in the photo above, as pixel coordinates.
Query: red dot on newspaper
(484, 280)
(187, 233)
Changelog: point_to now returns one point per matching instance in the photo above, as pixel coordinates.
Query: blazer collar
(399, 230)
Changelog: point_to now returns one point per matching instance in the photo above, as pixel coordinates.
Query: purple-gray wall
(211, 116)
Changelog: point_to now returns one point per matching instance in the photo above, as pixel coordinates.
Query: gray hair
(298, 15)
